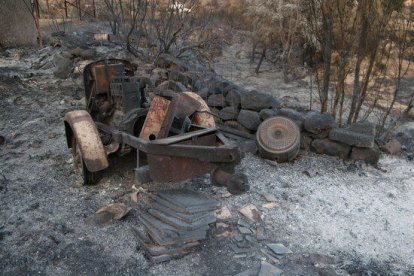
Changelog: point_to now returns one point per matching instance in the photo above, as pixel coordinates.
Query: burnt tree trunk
(262, 56)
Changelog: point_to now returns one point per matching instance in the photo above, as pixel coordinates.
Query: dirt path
(344, 219)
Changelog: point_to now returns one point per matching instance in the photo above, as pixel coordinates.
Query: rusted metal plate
(164, 168)
(154, 126)
(84, 130)
(171, 169)
(104, 74)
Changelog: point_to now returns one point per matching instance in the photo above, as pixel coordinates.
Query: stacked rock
(175, 222)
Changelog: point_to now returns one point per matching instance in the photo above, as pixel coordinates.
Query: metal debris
(175, 139)
(175, 223)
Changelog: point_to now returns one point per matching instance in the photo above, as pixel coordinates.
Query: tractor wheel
(89, 178)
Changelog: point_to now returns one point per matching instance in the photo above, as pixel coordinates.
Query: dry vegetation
(358, 52)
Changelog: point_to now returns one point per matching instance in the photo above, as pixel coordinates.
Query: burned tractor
(175, 137)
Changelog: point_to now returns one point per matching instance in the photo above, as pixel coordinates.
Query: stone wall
(244, 110)
(17, 27)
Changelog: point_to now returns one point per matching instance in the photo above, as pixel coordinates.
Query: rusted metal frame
(214, 154)
(236, 132)
(182, 137)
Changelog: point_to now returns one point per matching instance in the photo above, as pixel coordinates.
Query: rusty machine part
(89, 155)
(278, 138)
(175, 139)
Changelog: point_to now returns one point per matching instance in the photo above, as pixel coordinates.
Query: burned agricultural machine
(175, 137)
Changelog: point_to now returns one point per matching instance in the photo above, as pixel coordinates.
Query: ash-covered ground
(337, 218)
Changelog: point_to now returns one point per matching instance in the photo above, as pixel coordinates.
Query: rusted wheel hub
(278, 138)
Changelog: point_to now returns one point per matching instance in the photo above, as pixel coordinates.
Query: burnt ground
(338, 218)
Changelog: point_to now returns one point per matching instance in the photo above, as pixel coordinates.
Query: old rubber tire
(89, 178)
(278, 138)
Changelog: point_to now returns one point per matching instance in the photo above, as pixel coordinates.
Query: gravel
(360, 216)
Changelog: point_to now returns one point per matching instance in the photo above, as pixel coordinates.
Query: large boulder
(256, 101)
(249, 119)
(368, 155)
(319, 123)
(216, 100)
(326, 146)
(360, 134)
(229, 113)
(292, 114)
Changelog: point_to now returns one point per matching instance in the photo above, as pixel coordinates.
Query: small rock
(223, 213)
(249, 238)
(244, 230)
(311, 172)
(251, 212)
(392, 147)
(229, 113)
(216, 100)
(260, 233)
(405, 135)
(238, 238)
(279, 248)
(249, 119)
(368, 155)
(318, 123)
(267, 269)
(269, 197)
(243, 223)
(239, 256)
(270, 205)
(118, 210)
